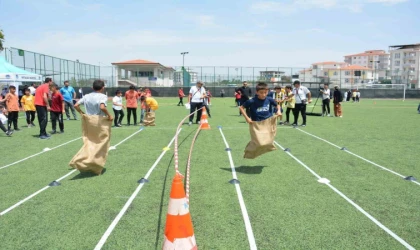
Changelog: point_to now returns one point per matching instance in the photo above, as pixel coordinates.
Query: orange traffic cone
(179, 232)
(204, 120)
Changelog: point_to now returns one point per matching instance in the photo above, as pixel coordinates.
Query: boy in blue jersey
(261, 107)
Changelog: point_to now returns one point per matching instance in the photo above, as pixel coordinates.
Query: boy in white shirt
(325, 100)
(117, 106)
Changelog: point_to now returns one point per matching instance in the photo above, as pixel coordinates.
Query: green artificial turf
(288, 208)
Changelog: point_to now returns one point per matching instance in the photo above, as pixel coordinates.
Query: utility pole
(183, 70)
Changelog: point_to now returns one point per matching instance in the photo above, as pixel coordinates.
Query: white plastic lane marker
(43, 151)
(132, 197)
(248, 227)
(46, 187)
(327, 182)
(358, 156)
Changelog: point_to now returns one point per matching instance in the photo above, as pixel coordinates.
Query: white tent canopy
(11, 74)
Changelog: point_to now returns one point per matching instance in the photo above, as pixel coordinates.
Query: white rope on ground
(358, 156)
(46, 187)
(31, 156)
(379, 224)
(187, 181)
(248, 227)
(130, 200)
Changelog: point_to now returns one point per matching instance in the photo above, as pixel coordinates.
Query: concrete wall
(229, 92)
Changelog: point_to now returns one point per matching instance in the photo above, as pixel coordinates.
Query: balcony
(407, 57)
(409, 65)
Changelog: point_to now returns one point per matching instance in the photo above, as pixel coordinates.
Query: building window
(363, 72)
(325, 73)
(143, 74)
(347, 73)
(397, 63)
(335, 73)
(346, 80)
(397, 55)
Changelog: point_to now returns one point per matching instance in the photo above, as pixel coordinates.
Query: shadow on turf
(247, 169)
(83, 175)
(158, 234)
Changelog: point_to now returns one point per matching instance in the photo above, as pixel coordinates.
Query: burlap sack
(262, 138)
(96, 136)
(150, 118)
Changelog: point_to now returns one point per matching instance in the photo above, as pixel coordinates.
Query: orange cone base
(180, 244)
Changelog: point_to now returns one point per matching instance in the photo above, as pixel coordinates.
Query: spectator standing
(195, 99)
(32, 89)
(290, 103)
(131, 97)
(80, 93)
(42, 106)
(245, 95)
(117, 106)
(302, 97)
(69, 94)
(348, 95)
(325, 100)
(222, 93)
(57, 109)
(337, 99)
(358, 96)
(28, 103)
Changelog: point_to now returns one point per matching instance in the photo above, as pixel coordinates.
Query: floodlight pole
(183, 60)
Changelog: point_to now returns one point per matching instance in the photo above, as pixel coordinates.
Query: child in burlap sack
(262, 123)
(151, 107)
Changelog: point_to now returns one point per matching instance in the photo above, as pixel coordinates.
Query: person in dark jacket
(246, 93)
(337, 99)
(349, 94)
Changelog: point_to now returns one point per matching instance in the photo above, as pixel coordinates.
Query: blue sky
(282, 33)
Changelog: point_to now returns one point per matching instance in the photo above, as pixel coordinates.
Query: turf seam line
(248, 226)
(360, 157)
(131, 199)
(29, 157)
(46, 187)
(373, 219)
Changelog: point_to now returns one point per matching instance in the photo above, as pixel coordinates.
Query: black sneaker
(61, 131)
(53, 132)
(294, 124)
(17, 129)
(9, 133)
(33, 125)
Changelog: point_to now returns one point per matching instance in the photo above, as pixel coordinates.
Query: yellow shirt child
(151, 103)
(28, 102)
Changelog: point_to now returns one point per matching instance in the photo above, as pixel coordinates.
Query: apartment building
(378, 60)
(405, 64)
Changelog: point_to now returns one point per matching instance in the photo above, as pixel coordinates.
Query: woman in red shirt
(131, 97)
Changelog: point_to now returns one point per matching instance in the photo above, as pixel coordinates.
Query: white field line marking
(46, 187)
(379, 224)
(29, 157)
(248, 227)
(358, 156)
(132, 197)
(33, 195)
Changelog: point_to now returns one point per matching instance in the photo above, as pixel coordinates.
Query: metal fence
(78, 73)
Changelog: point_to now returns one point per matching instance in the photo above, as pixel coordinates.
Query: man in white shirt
(302, 96)
(195, 99)
(325, 99)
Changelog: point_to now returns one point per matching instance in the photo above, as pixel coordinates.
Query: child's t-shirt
(131, 98)
(12, 102)
(28, 103)
(57, 102)
(152, 103)
(117, 100)
(93, 103)
(261, 109)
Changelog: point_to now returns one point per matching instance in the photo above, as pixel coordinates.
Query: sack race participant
(262, 123)
(151, 107)
(96, 131)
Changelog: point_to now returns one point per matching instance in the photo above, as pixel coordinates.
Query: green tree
(1, 40)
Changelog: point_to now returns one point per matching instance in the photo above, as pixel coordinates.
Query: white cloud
(294, 6)
(205, 20)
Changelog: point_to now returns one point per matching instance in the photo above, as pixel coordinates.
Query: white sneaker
(341, 116)
(189, 124)
(329, 115)
(199, 123)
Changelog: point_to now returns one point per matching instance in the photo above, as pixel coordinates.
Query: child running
(28, 104)
(12, 104)
(57, 109)
(117, 106)
(290, 103)
(261, 107)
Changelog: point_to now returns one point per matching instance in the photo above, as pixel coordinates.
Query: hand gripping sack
(262, 138)
(96, 136)
(150, 118)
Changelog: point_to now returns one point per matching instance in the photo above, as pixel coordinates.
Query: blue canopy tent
(12, 75)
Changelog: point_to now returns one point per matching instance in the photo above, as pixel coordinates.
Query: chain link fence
(79, 74)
